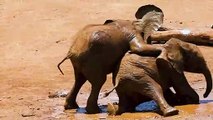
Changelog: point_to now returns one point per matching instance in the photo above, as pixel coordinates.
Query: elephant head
(150, 19)
(143, 10)
(184, 56)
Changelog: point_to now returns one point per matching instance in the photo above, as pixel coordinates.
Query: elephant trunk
(208, 78)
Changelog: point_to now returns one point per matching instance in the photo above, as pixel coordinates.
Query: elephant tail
(61, 63)
(115, 83)
(107, 93)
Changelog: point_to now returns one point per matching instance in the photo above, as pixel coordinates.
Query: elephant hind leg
(155, 92)
(97, 82)
(123, 103)
(70, 102)
(127, 103)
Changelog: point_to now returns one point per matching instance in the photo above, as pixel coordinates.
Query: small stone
(8, 97)
(27, 115)
(102, 118)
(57, 41)
(58, 94)
(20, 98)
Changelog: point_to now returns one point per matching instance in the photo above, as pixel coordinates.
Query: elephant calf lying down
(141, 79)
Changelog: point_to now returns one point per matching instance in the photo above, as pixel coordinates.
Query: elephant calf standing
(141, 79)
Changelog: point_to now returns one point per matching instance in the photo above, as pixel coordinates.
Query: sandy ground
(36, 34)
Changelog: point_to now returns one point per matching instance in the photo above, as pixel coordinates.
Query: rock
(20, 98)
(58, 94)
(27, 115)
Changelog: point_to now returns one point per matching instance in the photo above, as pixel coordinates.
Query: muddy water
(147, 110)
(188, 111)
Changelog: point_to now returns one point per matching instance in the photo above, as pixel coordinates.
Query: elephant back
(133, 65)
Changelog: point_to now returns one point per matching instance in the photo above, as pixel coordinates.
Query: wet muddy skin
(35, 36)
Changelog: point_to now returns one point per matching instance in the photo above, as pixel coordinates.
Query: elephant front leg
(70, 102)
(171, 97)
(183, 90)
(97, 83)
(155, 92)
(185, 93)
(164, 106)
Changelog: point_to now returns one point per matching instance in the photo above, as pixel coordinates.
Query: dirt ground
(36, 34)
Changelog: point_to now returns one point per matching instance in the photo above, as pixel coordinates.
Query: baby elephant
(141, 79)
(138, 81)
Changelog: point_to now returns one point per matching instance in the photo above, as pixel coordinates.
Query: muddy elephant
(97, 49)
(183, 56)
(141, 79)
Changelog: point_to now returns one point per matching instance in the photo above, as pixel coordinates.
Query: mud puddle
(147, 110)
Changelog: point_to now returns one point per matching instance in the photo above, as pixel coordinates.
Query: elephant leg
(178, 81)
(130, 103)
(70, 102)
(97, 82)
(185, 92)
(123, 102)
(155, 92)
(170, 97)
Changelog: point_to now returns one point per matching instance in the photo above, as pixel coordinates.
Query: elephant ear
(150, 19)
(175, 54)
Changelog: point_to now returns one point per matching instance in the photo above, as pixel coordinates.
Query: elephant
(183, 56)
(97, 49)
(150, 20)
(141, 79)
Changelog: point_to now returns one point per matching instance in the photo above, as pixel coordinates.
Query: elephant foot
(93, 109)
(112, 109)
(170, 111)
(119, 112)
(70, 106)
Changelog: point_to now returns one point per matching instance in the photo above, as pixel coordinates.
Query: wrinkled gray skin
(95, 52)
(141, 79)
